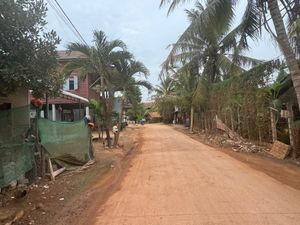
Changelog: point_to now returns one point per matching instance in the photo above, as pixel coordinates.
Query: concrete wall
(18, 121)
(18, 99)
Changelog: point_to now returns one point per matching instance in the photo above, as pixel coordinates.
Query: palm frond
(74, 46)
(144, 83)
(173, 4)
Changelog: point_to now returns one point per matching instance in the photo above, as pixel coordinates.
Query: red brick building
(72, 105)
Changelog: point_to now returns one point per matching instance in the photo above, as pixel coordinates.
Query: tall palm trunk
(283, 41)
(108, 113)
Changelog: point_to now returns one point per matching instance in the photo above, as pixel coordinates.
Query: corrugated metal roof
(154, 115)
(66, 55)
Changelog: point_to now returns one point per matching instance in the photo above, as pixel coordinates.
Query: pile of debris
(230, 139)
(237, 145)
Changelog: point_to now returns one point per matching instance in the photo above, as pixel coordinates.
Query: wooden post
(47, 106)
(43, 162)
(79, 110)
(273, 124)
(290, 124)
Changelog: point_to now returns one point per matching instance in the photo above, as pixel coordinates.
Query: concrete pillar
(87, 111)
(53, 112)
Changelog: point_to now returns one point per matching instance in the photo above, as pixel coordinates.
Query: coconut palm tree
(99, 61)
(165, 97)
(255, 15)
(213, 48)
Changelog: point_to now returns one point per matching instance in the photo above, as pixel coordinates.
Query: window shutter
(75, 82)
(66, 85)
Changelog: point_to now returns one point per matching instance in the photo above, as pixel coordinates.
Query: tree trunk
(119, 124)
(285, 46)
(232, 120)
(192, 119)
(291, 131)
(108, 122)
(273, 125)
(47, 107)
(239, 122)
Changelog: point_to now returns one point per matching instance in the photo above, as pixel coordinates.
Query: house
(14, 112)
(19, 99)
(15, 154)
(153, 116)
(72, 104)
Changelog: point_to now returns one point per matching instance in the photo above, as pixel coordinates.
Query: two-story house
(72, 105)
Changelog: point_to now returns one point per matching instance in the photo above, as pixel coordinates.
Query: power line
(62, 14)
(70, 22)
(61, 17)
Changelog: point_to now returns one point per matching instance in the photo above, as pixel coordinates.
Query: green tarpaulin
(66, 142)
(16, 155)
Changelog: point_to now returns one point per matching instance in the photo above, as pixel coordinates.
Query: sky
(141, 24)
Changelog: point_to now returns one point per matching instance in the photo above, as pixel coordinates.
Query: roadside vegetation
(27, 52)
(116, 70)
(209, 73)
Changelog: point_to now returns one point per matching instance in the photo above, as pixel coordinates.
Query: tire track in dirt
(177, 180)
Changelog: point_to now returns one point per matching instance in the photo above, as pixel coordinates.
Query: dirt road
(175, 180)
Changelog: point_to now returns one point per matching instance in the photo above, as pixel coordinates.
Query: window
(71, 83)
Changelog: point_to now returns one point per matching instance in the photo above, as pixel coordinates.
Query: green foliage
(137, 112)
(27, 53)
(116, 70)
(97, 108)
(213, 45)
(243, 101)
(165, 98)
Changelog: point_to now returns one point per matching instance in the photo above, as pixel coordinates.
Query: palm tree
(216, 49)
(255, 15)
(126, 82)
(285, 46)
(165, 97)
(99, 61)
(185, 88)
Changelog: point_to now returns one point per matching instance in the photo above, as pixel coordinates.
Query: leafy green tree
(27, 52)
(134, 97)
(100, 61)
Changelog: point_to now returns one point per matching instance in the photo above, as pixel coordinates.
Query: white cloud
(144, 27)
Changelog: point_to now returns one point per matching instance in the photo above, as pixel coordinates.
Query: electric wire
(66, 19)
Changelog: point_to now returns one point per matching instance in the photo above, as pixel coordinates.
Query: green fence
(16, 155)
(66, 142)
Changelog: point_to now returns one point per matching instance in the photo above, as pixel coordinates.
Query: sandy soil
(62, 201)
(286, 171)
(177, 180)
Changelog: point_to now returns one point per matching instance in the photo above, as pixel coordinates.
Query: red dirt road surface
(175, 180)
